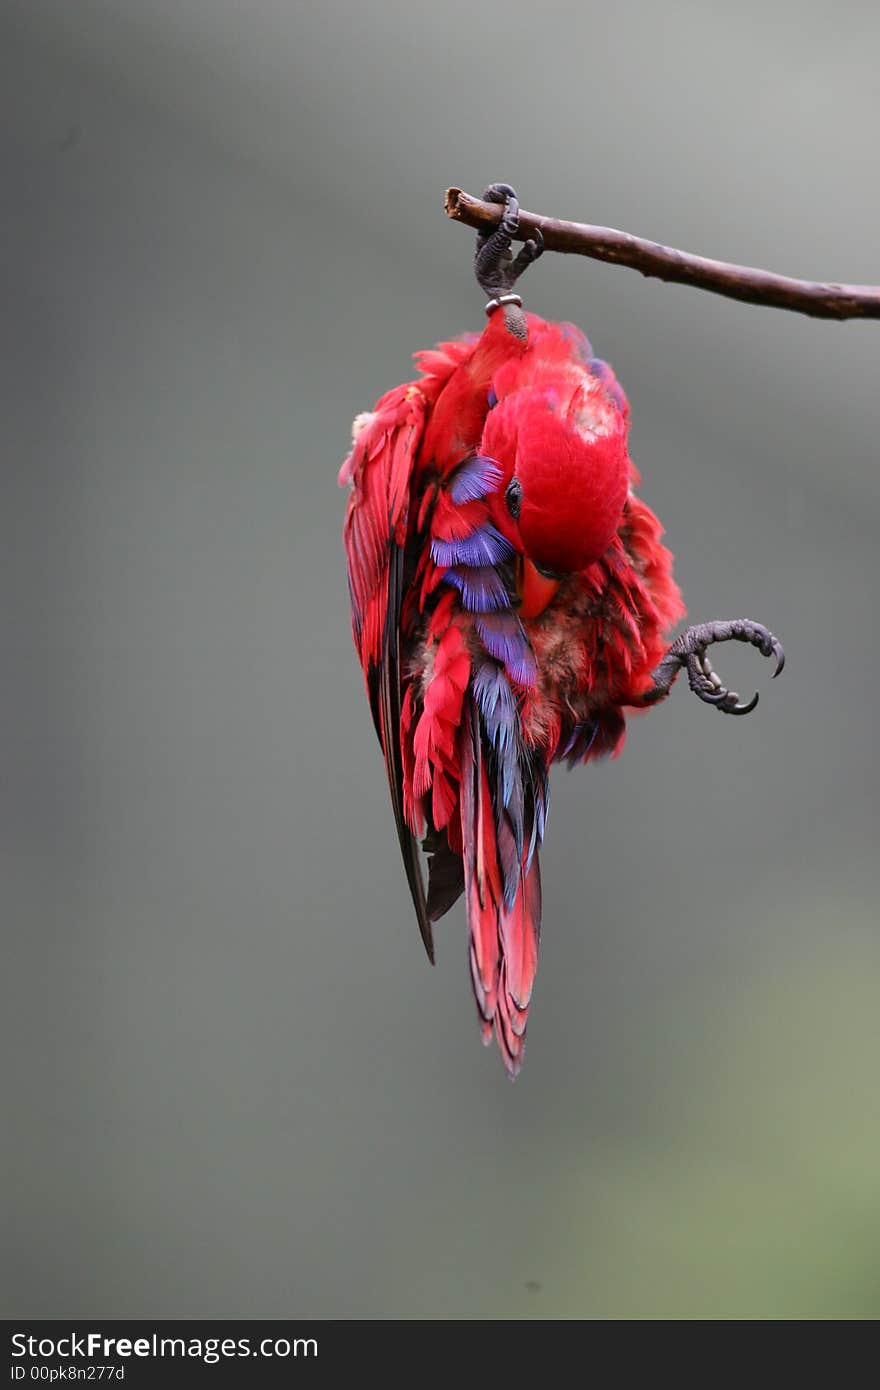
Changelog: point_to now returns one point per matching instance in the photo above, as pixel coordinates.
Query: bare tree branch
(819, 300)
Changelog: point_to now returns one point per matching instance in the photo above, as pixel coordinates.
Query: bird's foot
(690, 650)
(496, 268)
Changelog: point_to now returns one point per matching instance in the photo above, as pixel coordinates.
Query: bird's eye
(513, 497)
(549, 574)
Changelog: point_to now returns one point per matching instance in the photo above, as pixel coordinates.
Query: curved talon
(728, 702)
(743, 709)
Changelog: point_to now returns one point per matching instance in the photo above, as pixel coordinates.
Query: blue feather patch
(602, 370)
(572, 334)
(504, 637)
(482, 589)
(485, 546)
(474, 478)
(501, 721)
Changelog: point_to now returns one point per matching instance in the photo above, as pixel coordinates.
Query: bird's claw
(496, 269)
(690, 650)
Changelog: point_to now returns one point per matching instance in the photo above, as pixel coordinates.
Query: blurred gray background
(236, 1088)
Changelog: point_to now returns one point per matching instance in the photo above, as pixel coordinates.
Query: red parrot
(511, 597)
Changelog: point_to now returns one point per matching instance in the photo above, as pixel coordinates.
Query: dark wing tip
(428, 939)
(389, 733)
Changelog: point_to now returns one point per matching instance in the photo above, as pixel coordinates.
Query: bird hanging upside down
(511, 597)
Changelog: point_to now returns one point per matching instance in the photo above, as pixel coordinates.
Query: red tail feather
(503, 941)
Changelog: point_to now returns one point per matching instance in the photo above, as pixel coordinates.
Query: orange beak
(535, 589)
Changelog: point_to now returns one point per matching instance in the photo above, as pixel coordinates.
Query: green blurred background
(235, 1088)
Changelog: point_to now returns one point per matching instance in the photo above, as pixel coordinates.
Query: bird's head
(564, 458)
